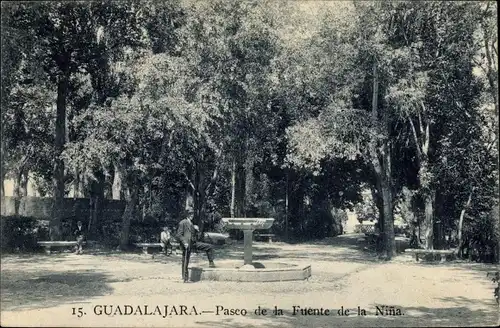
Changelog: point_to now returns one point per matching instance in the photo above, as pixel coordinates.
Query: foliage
(495, 278)
(259, 108)
(22, 233)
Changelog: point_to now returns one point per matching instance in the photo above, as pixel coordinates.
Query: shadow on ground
(340, 248)
(23, 290)
(459, 313)
(34, 259)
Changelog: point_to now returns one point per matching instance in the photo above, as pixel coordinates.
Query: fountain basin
(248, 223)
(230, 270)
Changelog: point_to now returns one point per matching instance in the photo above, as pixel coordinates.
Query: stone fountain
(248, 225)
(230, 270)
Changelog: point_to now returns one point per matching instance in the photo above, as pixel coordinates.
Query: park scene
(249, 163)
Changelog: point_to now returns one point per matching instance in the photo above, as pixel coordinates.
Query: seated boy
(80, 237)
(165, 240)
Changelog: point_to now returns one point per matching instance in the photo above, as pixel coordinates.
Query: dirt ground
(49, 290)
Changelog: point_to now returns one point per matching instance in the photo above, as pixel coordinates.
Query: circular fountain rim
(287, 267)
(296, 273)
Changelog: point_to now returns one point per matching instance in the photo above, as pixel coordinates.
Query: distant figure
(165, 240)
(80, 237)
(187, 236)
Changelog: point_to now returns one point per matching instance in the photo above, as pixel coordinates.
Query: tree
(26, 101)
(340, 130)
(233, 45)
(434, 92)
(488, 63)
(62, 36)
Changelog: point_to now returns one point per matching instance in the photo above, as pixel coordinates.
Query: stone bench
(50, 244)
(268, 235)
(146, 246)
(364, 228)
(440, 252)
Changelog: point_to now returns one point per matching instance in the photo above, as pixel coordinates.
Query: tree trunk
(2, 181)
(145, 200)
(97, 194)
(108, 187)
(491, 74)
(117, 183)
(240, 191)
(492, 59)
(76, 185)
(249, 179)
(378, 200)
(198, 193)
(163, 191)
(297, 204)
(127, 217)
(381, 164)
(206, 192)
(429, 220)
(24, 183)
(425, 185)
(238, 181)
(461, 224)
(375, 160)
(17, 192)
(336, 227)
(60, 137)
(388, 240)
(422, 144)
(164, 175)
(2, 156)
(286, 208)
(82, 187)
(233, 188)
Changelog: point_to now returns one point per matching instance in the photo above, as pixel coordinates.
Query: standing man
(80, 237)
(186, 234)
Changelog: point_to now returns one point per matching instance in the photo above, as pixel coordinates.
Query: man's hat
(186, 213)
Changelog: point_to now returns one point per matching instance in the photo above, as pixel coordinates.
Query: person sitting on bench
(165, 239)
(80, 237)
(199, 245)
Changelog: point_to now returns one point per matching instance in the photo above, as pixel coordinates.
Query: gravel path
(43, 290)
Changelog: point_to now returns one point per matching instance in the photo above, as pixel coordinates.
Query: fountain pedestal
(248, 225)
(247, 246)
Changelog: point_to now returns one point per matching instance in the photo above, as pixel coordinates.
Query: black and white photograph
(237, 164)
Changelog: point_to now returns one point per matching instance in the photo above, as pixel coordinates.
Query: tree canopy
(268, 108)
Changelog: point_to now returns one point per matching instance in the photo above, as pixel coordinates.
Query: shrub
(495, 278)
(22, 233)
(147, 230)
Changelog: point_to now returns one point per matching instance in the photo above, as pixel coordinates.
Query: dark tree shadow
(23, 290)
(34, 259)
(350, 251)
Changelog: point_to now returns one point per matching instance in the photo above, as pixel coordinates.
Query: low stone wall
(41, 207)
